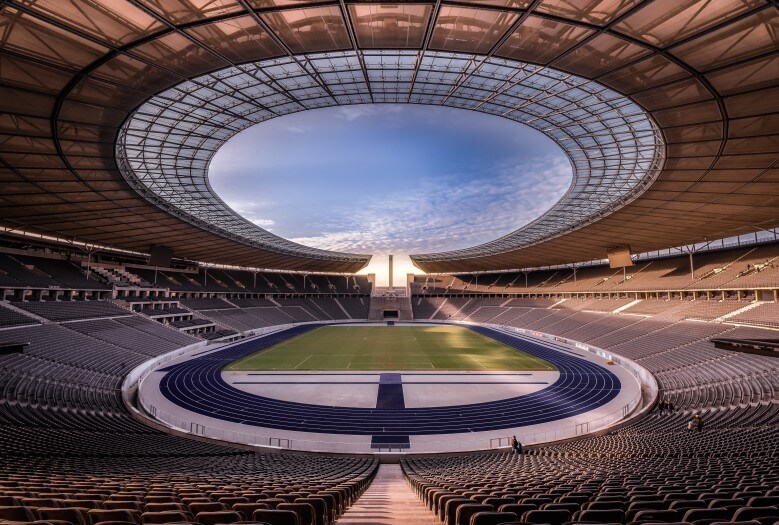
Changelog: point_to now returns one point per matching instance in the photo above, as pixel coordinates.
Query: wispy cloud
(249, 211)
(357, 111)
(447, 215)
(381, 179)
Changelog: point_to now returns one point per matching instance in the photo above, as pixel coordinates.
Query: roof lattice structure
(691, 153)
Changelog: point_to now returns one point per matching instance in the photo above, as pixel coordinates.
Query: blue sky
(382, 179)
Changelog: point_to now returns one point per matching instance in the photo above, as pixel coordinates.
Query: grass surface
(390, 348)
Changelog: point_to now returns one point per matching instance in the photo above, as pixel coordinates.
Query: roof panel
(30, 36)
(396, 26)
(743, 39)
(470, 30)
(183, 11)
(239, 39)
(115, 22)
(644, 74)
(599, 55)
(665, 22)
(598, 12)
(177, 53)
(758, 73)
(311, 29)
(541, 40)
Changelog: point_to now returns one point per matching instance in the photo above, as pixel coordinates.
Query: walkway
(388, 501)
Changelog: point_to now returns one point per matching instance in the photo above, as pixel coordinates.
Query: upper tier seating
(747, 267)
(10, 318)
(72, 310)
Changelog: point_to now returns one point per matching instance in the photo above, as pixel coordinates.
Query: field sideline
(376, 348)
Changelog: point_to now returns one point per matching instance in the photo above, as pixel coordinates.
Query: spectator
(516, 445)
(661, 406)
(698, 422)
(691, 425)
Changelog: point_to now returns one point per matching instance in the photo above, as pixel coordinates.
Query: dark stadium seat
(247, 509)
(466, 512)
(16, 513)
(305, 511)
(276, 517)
(98, 515)
(552, 517)
(492, 518)
(755, 513)
(321, 513)
(211, 506)
(517, 508)
(217, 517)
(600, 516)
(72, 515)
(168, 516)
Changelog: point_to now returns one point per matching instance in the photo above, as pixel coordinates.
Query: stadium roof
(112, 111)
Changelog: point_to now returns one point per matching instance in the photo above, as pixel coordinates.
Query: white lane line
(303, 361)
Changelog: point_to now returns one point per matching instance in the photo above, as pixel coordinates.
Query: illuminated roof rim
(165, 146)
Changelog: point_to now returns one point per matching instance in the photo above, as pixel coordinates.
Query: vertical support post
(692, 268)
(390, 272)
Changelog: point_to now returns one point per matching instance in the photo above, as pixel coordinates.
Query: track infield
(354, 348)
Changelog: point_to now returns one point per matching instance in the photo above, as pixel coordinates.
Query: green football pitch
(390, 348)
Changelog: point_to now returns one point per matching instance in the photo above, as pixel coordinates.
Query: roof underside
(705, 71)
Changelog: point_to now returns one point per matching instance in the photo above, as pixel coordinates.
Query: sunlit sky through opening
(381, 179)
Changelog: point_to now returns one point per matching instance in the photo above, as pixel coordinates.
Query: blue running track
(197, 385)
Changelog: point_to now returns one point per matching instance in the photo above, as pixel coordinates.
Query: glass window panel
(598, 12)
(310, 29)
(183, 11)
(114, 21)
(541, 40)
(470, 30)
(759, 73)
(754, 35)
(599, 55)
(179, 54)
(644, 74)
(29, 36)
(390, 25)
(663, 22)
(239, 39)
(676, 94)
